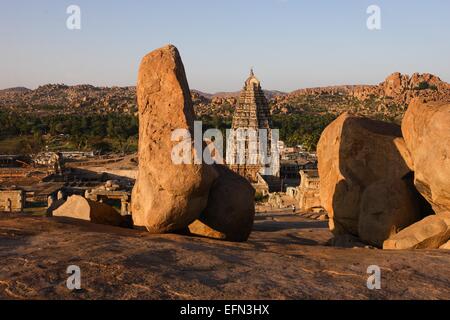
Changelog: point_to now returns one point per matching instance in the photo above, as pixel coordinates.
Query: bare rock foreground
(286, 257)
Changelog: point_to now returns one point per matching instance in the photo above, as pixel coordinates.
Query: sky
(290, 43)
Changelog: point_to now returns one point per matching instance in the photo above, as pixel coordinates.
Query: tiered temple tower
(247, 154)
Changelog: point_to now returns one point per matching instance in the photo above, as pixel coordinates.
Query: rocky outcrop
(429, 233)
(77, 207)
(397, 84)
(376, 185)
(230, 211)
(167, 196)
(360, 161)
(402, 88)
(426, 128)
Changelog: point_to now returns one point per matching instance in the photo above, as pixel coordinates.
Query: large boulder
(426, 129)
(230, 212)
(387, 206)
(77, 207)
(445, 246)
(354, 153)
(167, 196)
(55, 205)
(429, 233)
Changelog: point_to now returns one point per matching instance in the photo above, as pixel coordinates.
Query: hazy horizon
(291, 44)
(203, 91)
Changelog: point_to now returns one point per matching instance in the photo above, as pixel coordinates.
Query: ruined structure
(247, 154)
(309, 190)
(12, 200)
(112, 193)
(52, 160)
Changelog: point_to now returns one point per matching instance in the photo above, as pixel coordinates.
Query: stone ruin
(309, 191)
(109, 193)
(51, 160)
(12, 200)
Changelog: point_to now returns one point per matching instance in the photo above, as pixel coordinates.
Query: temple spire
(251, 72)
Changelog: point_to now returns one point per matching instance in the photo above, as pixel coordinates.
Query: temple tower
(247, 152)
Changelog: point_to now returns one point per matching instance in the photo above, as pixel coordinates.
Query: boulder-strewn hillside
(387, 100)
(58, 98)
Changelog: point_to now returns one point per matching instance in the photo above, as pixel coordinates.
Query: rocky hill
(401, 88)
(387, 100)
(63, 99)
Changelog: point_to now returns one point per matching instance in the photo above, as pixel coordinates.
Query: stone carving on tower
(251, 142)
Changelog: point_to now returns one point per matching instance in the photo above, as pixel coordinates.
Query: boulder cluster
(401, 89)
(203, 199)
(386, 184)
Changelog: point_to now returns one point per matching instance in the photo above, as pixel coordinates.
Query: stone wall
(12, 200)
(309, 191)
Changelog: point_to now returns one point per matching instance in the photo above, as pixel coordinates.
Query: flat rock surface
(287, 257)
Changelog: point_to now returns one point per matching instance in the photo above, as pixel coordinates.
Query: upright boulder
(77, 207)
(353, 154)
(426, 129)
(167, 196)
(230, 211)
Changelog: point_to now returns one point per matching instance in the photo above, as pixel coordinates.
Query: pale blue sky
(291, 43)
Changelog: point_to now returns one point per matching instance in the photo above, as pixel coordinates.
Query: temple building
(252, 144)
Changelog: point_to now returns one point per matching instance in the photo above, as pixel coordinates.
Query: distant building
(12, 200)
(246, 155)
(309, 191)
(290, 169)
